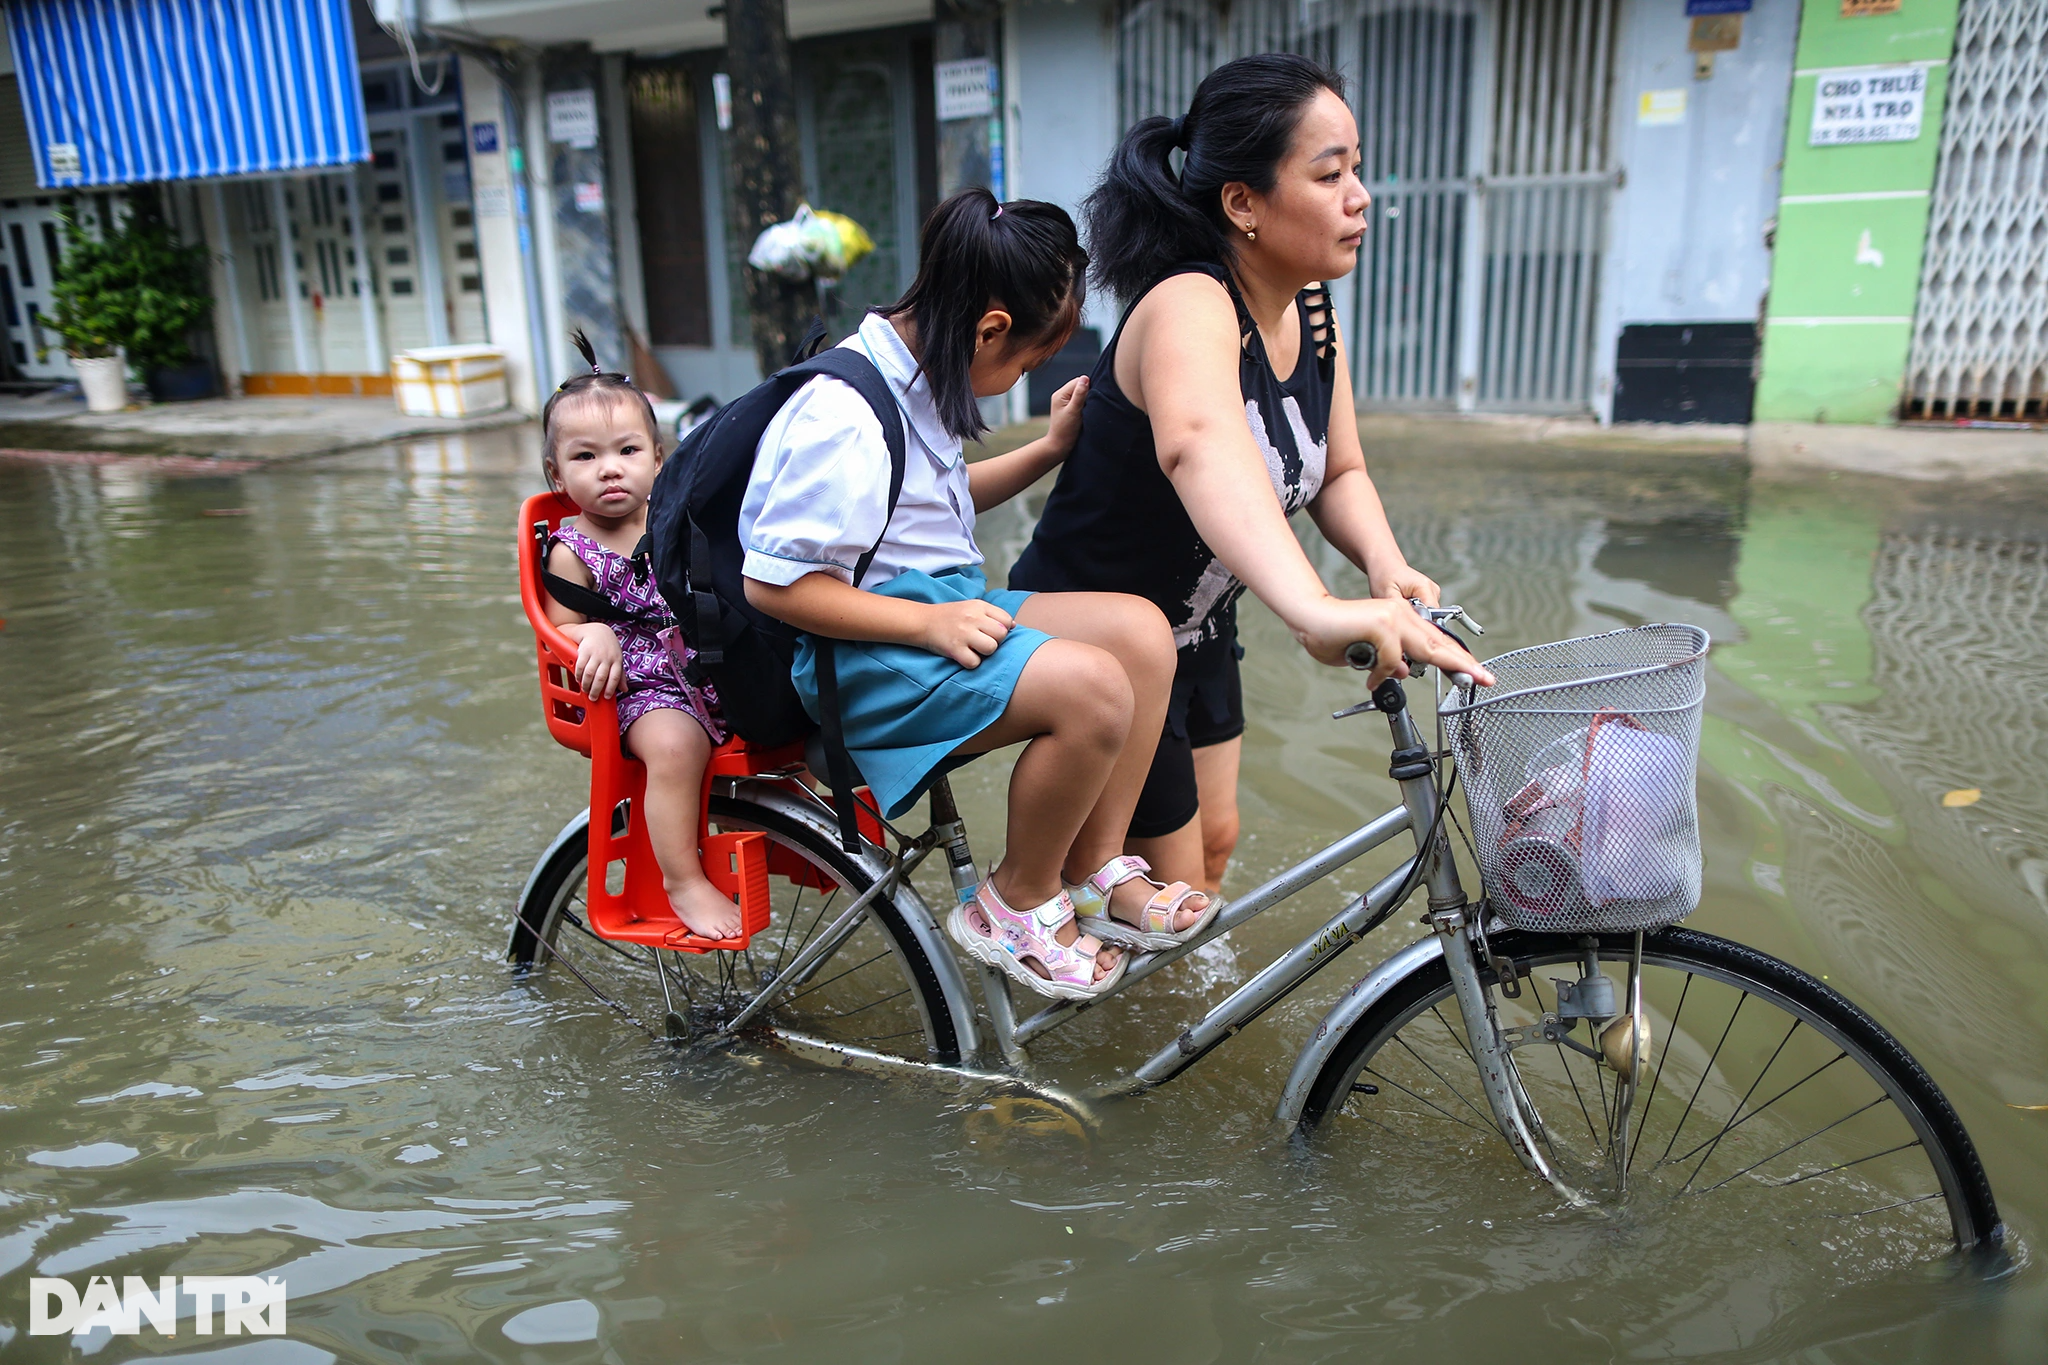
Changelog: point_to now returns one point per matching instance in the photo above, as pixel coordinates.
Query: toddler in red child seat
(600, 448)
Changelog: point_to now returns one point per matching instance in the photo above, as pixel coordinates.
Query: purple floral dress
(653, 647)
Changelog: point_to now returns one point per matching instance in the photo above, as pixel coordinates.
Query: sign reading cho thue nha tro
(1868, 104)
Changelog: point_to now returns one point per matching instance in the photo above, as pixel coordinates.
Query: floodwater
(272, 773)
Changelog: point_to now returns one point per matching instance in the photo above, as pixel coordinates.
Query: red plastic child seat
(737, 864)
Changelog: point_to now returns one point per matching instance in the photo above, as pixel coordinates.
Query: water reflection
(269, 782)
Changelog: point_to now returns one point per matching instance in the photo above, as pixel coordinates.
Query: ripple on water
(269, 793)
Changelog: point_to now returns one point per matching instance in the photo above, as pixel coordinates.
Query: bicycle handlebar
(1364, 655)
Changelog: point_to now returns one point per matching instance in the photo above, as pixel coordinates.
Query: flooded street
(272, 773)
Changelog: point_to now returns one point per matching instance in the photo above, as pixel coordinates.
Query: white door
(1418, 87)
(1541, 210)
(31, 244)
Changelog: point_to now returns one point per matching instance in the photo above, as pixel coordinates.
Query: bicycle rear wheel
(1761, 1088)
(876, 991)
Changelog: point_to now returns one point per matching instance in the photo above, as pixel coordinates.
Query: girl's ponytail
(974, 254)
(1144, 218)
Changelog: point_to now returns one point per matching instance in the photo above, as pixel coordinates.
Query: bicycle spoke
(595, 937)
(1839, 1056)
(1845, 1165)
(886, 1037)
(796, 909)
(824, 907)
(1422, 1100)
(1564, 1064)
(1739, 1104)
(858, 1009)
(1600, 1085)
(1705, 1072)
(1455, 1038)
(1887, 1208)
(876, 982)
(819, 986)
(1670, 1032)
(1770, 1081)
(1444, 1081)
(1801, 1143)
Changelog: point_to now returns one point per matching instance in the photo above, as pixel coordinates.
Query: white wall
(1061, 68)
(501, 259)
(1688, 227)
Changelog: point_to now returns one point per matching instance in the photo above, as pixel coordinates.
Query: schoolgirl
(933, 664)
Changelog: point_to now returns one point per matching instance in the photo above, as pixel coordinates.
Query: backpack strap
(577, 598)
(859, 373)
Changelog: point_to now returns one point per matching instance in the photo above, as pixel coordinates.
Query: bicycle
(1761, 1079)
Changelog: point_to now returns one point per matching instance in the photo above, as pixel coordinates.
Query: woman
(1223, 406)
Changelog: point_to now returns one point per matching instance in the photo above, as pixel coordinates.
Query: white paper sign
(1868, 104)
(572, 117)
(1660, 108)
(966, 89)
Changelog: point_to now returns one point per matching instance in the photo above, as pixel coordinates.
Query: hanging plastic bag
(812, 245)
(853, 242)
(779, 250)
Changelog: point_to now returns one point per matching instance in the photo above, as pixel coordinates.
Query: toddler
(599, 447)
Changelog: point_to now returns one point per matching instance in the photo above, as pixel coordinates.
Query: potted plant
(91, 311)
(132, 297)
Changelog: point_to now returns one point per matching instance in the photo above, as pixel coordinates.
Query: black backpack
(693, 538)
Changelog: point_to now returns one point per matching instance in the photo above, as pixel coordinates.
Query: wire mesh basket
(1578, 766)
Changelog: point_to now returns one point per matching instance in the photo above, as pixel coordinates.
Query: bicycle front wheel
(877, 990)
(1760, 1088)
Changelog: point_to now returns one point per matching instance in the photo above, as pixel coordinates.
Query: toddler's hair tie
(997, 214)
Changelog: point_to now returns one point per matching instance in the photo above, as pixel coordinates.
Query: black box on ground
(1685, 372)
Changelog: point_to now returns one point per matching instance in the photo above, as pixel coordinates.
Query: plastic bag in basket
(1539, 851)
(1634, 813)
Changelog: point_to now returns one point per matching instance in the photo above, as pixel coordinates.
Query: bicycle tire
(1965, 1190)
(551, 908)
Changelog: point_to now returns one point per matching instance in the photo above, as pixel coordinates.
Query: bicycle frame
(1458, 938)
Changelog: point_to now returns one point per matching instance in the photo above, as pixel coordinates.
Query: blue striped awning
(119, 91)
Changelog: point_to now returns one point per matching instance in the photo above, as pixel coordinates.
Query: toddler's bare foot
(704, 910)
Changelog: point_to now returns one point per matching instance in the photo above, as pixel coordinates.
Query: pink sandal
(1010, 940)
(1155, 930)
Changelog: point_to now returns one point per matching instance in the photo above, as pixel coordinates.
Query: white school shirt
(821, 480)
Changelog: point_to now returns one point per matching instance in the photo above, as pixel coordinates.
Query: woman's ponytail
(975, 253)
(1144, 218)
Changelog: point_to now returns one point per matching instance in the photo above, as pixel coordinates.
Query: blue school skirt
(904, 709)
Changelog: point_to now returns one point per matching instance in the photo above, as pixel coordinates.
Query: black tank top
(1114, 522)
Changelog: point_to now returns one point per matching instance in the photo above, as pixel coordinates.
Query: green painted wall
(1852, 222)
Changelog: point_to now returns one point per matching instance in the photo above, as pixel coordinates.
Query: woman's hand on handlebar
(1402, 583)
(1392, 628)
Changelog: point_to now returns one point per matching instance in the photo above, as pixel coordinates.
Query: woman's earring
(1250, 236)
